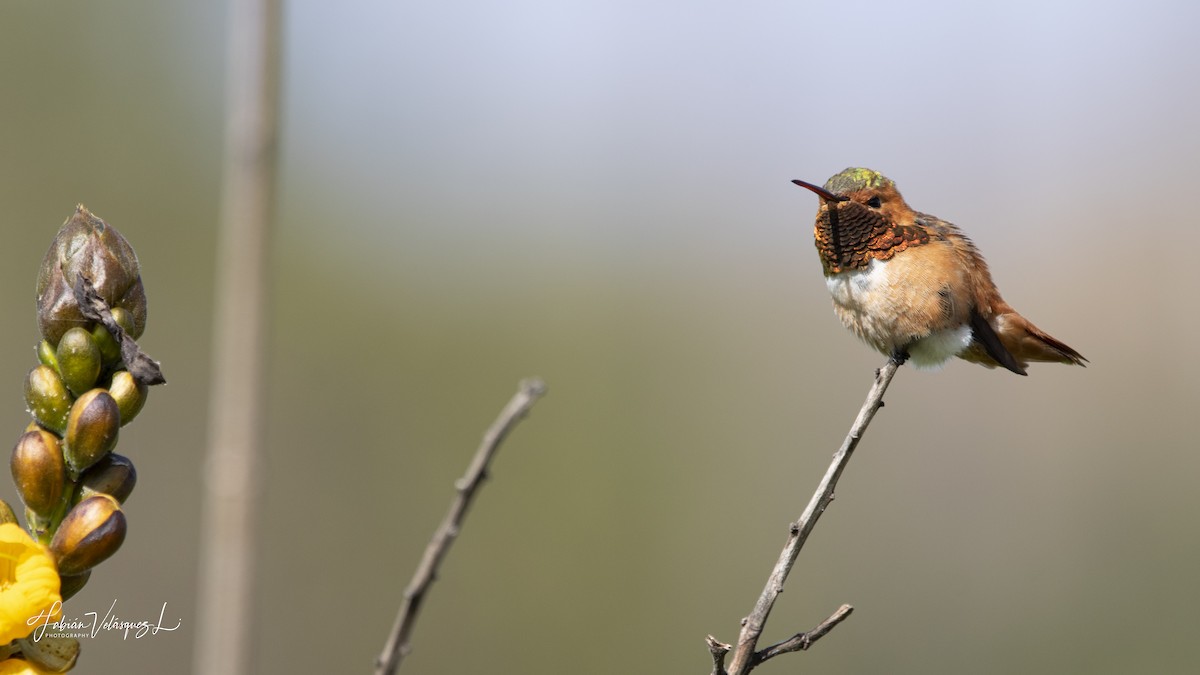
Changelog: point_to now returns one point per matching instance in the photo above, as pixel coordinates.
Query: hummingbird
(913, 286)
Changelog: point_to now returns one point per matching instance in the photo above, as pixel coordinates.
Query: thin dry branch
(744, 657)
(802, 641)
(398, 643)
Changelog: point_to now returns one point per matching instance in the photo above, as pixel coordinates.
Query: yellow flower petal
(29, 585)
(20, 667)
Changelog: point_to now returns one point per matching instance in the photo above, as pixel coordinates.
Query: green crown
(857, 178)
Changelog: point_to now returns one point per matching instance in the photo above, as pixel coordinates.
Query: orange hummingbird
(913, 285)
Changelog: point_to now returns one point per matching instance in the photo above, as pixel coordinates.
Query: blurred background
(598, 193)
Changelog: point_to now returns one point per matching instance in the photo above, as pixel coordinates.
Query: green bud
(92, 428)
(87, 245)
(6, 513)
(47, 398)
(46, 354)
(38, 471)
(129, 394)
(70, 585)
(110, 349)
(78, 360)
(51, 653)
(92, 531)
(124, 319)
(113, 476)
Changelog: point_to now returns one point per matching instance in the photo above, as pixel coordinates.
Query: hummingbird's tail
(1029, 343)
(1019, 343)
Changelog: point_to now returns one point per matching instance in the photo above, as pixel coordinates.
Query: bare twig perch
(397, 646)
(744, 657)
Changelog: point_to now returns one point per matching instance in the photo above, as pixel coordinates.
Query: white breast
(860, 290)
(871, 303)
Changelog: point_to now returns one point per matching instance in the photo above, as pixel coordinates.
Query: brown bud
(92, 428)
(78, 360)
(92, 531)
(129, 394)
(89, 246)
(113, 475)
(47, 398)
(39, 471)
(70, 585)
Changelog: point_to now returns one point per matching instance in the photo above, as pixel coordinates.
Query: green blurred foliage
(598, 194)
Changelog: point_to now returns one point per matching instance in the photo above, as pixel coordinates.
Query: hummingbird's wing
(982, 333)
(986, 300)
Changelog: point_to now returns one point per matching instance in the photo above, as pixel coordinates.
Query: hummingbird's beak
(822, 192)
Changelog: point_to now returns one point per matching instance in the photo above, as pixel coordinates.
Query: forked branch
(744, 656)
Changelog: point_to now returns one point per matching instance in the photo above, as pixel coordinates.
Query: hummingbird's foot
(899, 356)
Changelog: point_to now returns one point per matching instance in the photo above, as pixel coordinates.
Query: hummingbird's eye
(874, 202)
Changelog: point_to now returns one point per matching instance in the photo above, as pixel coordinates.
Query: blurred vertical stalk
(231, 487)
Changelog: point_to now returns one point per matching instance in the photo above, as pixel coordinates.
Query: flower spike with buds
(93, 378)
